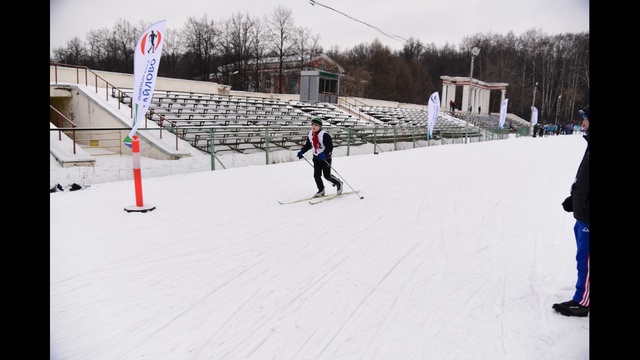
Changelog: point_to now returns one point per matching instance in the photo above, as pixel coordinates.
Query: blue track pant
(583, 290)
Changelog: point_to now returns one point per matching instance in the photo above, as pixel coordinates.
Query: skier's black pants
(321, 168)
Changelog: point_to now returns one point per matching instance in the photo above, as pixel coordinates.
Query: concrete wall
(87, 108)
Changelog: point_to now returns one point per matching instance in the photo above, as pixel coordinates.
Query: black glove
(300, 154)
(567, 204)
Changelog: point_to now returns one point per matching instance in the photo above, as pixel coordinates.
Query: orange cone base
(144, 208)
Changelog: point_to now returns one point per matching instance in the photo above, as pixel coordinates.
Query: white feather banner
(433, 111)
(503, 113)
(146, 60)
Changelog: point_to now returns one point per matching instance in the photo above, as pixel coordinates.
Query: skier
(322, 148)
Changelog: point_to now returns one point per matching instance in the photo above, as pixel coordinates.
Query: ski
(330, 197)
(314, 198)
(299, 200)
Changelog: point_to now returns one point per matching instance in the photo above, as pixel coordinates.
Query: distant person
(322, 145)
(451, 105)
(479, 109)
(152, 39)
(578, 203)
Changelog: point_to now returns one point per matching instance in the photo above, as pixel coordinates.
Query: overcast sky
(337, 22)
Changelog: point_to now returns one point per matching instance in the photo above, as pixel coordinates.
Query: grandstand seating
(223, 121)
(244, 123)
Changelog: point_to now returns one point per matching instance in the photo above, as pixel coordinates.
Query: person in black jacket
(578, 203)
(322, 144)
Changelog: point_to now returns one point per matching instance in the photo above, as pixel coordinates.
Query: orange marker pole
(137, 179)
(137, 176)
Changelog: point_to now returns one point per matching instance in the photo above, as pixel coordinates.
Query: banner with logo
(146, 59)
(503, 113)
(534, 116)
(433, 110)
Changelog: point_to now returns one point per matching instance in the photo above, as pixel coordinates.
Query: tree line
(552, 69)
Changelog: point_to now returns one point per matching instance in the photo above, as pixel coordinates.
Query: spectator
(578, 203)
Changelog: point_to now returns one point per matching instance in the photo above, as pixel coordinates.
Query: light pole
(533, 104)
(230, 77)
(474, 52)
(558, 109)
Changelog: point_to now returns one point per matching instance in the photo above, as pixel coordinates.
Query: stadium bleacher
(197, 117)
(215, 120)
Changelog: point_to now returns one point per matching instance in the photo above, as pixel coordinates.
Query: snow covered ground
(455, 252)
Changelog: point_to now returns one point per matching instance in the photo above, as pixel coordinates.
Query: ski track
(375, 279)
(348, 320)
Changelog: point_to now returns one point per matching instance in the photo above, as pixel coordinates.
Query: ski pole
(345, 181)
(308, 161)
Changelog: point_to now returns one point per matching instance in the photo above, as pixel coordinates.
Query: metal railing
(84, 76)
(58, 119)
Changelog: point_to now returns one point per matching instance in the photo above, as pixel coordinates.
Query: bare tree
(356, 60)
(528, 46)
(412, 49)
(279, 29)
(96, 40)
(201, 38)
(418, 87)
(305, 45)
(381, 65)
(259, 43)
(558, 64)
(74, 53)
(112, 58)
(238, 46)
(171, 50)
(125, 38)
